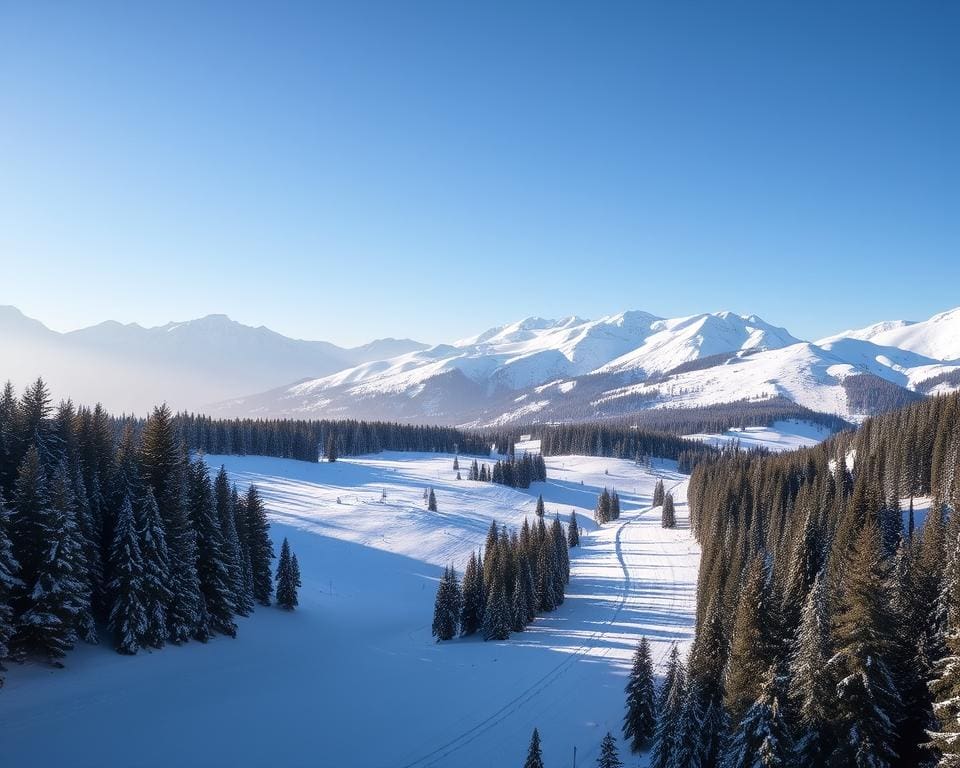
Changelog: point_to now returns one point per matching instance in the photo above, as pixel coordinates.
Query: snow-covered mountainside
(190, 364)
(545, 370)
(359, 648)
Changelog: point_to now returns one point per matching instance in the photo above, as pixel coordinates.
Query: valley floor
(353, 677)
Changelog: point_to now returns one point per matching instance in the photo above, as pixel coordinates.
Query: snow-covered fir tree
(639, 722)
(128, 616)
(287, 578)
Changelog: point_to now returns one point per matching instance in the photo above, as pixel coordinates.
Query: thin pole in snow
(574, 757)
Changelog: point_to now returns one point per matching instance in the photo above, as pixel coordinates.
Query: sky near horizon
(346, 171)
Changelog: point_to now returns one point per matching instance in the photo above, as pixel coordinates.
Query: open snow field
(353, 677)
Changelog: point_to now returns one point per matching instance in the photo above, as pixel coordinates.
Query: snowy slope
(937, 338)
(353, 676)
(130, 368)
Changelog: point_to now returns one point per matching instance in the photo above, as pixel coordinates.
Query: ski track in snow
(357, 657)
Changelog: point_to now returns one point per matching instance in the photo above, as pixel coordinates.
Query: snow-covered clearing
(353, 677)
(780, 436)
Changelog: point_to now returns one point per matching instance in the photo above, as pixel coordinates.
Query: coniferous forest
(504, 587)
(828, 614)
(120, 535)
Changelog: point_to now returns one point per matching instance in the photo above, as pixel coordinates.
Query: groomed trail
(353, 677)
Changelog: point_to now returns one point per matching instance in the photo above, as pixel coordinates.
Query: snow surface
(353, 677)
(780, 436)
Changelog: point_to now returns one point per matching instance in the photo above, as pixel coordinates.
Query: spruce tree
(330, 450)
(245, 600)
(534, 755)
(519, 609)
(224, 501)
(257, 531)
(753, 647)
(128, 617)
(540, 510)
(609, 758)
(213, 571)
(156, 571)
(670, 704)
(811, 689)
(447, 607)
(668, 517)
(762, 738)
(286, 579)
(471, 614)
(431, 501)
(658, 493)
(496, 615)
(9, 581)
(573, 531)
(54, 596)
(639, 722)
(868, 704)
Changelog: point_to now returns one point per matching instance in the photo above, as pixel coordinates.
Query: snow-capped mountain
(541, 370)
(188, 364)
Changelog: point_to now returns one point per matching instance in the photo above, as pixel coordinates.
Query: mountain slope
(188, 364)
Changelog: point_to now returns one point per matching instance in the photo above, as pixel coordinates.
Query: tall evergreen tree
(432, 501)
(213, 570)
(259, 545)
(639, 722)
(226, 517)
(762, 738)
(9, 581)
(573, 531)
(534, 754)
(609, 758)
(496, 614)
(446, 610)
(287, 578)
(540, 510)
(868, 704)
(670, 704)
(156, 571)
(471, 614)
(668, 518)
(128, 617)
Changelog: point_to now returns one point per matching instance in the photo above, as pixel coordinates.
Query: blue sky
(347, 171)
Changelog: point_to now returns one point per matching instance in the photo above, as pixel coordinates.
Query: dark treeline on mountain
(827, 629)
(723, 416)
(124, 533)
(950, 378)
(516, 576)
(871, 395)
(309, 440)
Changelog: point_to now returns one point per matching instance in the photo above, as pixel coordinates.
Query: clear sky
(353, 170)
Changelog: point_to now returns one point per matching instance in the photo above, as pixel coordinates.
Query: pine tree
(668, 517)
(762, 739)
(534, 755)
(658, 493)
(753, 647)
(670, 703)
(9, 581)
(431, 501)
(156, 571)
(868, 704)
(257, 531)
(496, 615)
(213, 571)
(608, 753)
(639, 722)
(163, 462)
(286, 579)
(573, 531)
(945, 687)
(811, 684)
(245, 600)
(128, 617)
(471, 614)
(448, 605)
(456, 464)
(224, 501)
(540, 510)
(519, 609)
(330, 450)
(54, 596)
